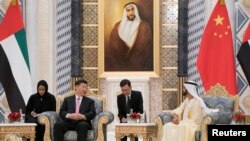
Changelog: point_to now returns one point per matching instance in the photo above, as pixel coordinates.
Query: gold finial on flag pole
(13, 2)
(222, 2)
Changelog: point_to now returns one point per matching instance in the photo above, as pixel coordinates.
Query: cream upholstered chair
(99, 123)
(217, 97)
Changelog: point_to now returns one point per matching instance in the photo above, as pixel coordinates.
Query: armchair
(99, 123)
(217, 97)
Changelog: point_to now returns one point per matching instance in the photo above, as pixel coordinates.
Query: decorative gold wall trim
(168, 46)
(89, 3)
(164, 24)
(89, 68)
(94, 89)
(170, 89)
(169, 68)
(89, 46)
(169, 2)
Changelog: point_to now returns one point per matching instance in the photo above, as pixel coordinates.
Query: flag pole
(222, 2)
(13, 2)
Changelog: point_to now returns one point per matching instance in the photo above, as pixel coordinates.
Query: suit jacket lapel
(124, 102)
(82, 103)
(132, 98)
(73, 101)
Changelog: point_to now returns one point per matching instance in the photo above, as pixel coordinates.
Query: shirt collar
(129, 95)
(78, 97)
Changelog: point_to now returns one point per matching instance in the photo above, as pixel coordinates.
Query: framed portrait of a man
(128, 37)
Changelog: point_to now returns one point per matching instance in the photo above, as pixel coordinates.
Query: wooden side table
(132, 130)
(26, 130)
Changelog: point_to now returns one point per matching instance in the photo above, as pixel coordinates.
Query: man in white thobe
(186, 118)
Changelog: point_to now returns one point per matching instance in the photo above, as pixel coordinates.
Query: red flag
(216, 57)
(247, 34)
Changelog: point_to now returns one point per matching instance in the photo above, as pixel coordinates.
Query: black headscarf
(43, 83)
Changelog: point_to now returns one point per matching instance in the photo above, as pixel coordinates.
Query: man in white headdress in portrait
(131, 44)
(187, 117)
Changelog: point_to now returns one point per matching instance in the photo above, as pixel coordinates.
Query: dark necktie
(128, 104)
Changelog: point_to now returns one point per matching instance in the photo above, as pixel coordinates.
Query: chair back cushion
(223, 103)
(226, 106)
(98, 104)
(99, 101)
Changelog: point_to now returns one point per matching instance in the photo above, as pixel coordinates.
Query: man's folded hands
(76, 116)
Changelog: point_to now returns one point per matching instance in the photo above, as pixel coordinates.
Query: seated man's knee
(58, 125)
(82, 126)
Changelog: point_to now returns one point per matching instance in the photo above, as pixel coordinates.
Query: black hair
(43, 83)
(125, 82)
(78, 82)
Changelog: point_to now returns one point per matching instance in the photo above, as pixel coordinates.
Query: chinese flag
(216, 57)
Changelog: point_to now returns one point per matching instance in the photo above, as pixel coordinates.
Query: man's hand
(176, 119)
(124, 120)
(33, 113)
(76, 116)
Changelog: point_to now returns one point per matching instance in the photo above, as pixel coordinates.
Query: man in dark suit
(76, 112)
(127, 101)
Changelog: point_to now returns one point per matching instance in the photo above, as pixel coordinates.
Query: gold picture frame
(105, 28)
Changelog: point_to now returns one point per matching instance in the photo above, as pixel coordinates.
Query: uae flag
(243, 54)
(14, 60)
(216, 57)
